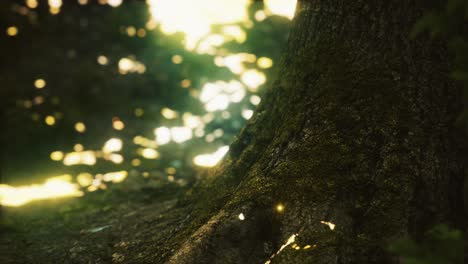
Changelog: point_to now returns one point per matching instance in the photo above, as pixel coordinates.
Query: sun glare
(55, 187)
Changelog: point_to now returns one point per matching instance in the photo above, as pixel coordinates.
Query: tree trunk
(358, 130)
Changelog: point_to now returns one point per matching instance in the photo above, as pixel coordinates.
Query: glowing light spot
(260, 15)
(39, 83)
(177, 59)
(255, 99)
(181, 134)
(77, 158)
(169, 114)
(125, 64)
(56, 155)
(78, 148)
(141, 33)
(83, 2)
(55, 187)
(280, 208)
(103, 60)
(54, 10)
(115, 177)
(12, 31)
(241, 217)
(247, 113)
(128, 65)
(329, 224)
(296, 246)
(84, 179)
(112, 145)
(191, 121)
(55, 3)
(210, 160)
(151, 24)
(218, 133)
(117, 124)
(253, 79)
(281, 7)
(264, 62)
(218, 95)
(131, 31)
(54, 6)
(149, 153)
(50, 120)
(185, 83)
(114, 3)
(31, 3)
(115, 158)
(163, 135)
(80, 127)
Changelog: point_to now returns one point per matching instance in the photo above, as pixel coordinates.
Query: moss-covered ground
(112, 226)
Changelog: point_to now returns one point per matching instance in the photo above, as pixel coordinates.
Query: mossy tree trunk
(358, 130)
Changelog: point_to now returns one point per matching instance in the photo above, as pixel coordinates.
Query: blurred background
(102, 92)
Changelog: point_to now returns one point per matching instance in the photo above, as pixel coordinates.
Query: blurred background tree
(76, 74)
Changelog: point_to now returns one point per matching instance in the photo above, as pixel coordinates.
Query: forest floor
(112, 226)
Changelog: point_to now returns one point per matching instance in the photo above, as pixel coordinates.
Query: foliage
(440, 245)
(63, 50)
(448, 22)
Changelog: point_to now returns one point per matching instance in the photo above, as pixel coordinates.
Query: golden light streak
(329, 224)
(55, 187)
(290, 240)
(210, 160)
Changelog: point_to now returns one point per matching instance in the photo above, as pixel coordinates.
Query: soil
(112, 226)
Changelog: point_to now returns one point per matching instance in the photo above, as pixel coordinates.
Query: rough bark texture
(358, 130)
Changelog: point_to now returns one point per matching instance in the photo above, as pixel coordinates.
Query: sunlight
(196, 21)
(77, 158)
(281, 7)
(55, 187)
(112, 145)
(210, 160)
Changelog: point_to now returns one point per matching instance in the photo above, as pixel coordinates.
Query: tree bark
(358, 130)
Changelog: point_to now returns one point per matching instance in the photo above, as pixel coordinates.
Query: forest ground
(112, 226)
